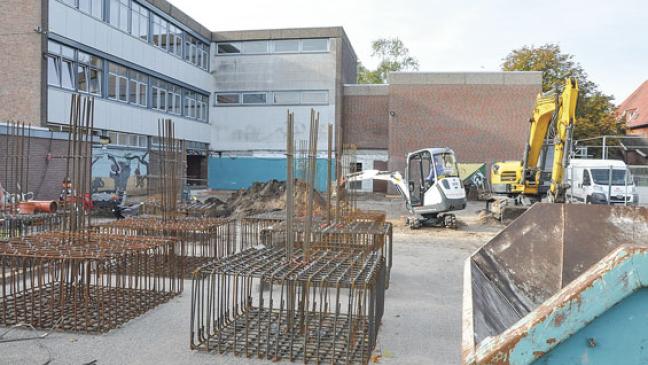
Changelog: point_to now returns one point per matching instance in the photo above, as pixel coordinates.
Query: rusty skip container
(562, 284)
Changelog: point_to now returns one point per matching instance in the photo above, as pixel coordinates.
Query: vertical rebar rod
(310, 185)
(329, 161)
(290, 181)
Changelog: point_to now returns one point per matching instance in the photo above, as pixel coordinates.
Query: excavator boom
(393, 177)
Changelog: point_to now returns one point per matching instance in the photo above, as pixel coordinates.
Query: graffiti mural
(119, 169)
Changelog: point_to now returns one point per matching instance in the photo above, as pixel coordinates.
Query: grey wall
(262, 128)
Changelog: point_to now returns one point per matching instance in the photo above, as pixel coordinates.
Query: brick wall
(366, 119)
(481, 122)
(46, 167)
(21, 60)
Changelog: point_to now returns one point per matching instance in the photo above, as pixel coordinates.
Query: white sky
(607, 37)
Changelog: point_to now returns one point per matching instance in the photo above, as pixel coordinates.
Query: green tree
(393, 55)
(595, 110)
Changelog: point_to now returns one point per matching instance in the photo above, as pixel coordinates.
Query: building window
(53, 71)
(159, 89)
(138, 88)
(190, 49)
(274, 46)
(286, 46)
(119, 14)
(254, 98)
(203, 56)
(202, 106)
(254, 47)
(175, 40)
(174, 99)
(67, 68)
(314, 97)
(315, 45)
(286, 97)
(89, 73)
(160, 32)
(190, 104)
(229, 98)
(228, 48)
(92, 7)
(117, 82)
(139, 21)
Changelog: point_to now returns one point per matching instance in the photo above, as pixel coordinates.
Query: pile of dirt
(264, 197)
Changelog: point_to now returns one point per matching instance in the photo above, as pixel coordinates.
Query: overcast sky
(608, 38)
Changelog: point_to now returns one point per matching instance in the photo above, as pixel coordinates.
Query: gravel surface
(421, 324)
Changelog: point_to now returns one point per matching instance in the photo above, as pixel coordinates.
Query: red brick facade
(368, 117)
(21, 60)
(481, 123)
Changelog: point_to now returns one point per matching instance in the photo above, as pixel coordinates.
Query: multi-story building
(262, 74)
(229, 93)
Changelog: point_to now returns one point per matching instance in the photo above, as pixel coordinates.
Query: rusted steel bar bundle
(18, 225)
(362, 236)
(198, 240)
(167, 180)
(84, 282)
(76, 194)
(261, 303)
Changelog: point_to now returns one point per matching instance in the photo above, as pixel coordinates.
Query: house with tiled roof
(634, 111)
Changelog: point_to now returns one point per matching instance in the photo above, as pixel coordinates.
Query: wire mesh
(84, 282)
(198, 240)
(262, 303)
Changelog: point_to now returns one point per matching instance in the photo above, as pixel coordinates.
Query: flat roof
(282, 33)
(181, 16)
(466, 78)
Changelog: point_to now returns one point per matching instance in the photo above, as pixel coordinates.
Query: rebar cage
(18, 225)
(358, 235)
(198, 240)
(252, 226)
(260, 303)
(84, 282)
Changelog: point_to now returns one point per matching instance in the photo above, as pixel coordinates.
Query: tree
(595, 110)
(393, 55)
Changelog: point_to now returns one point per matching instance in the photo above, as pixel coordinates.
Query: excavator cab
(431, 187)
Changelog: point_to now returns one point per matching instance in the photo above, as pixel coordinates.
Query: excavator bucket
(556, 287)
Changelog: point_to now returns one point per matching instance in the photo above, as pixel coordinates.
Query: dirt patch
(265, 197)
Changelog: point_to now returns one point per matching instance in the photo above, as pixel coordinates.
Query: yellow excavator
(515, 185)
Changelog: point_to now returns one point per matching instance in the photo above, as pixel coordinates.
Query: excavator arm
(565, 119)
(393, 177)
(553, 110)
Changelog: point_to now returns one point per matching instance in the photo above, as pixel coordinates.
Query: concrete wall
(482, 116)
(21, 61)
(263, 128)
(249, 128)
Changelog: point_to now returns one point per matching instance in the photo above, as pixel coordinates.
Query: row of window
(272, 97)
(274, 46)
(135, 19)
(75, 70)
(128, 139)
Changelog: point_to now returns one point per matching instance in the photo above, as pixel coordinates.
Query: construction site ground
(421, 324)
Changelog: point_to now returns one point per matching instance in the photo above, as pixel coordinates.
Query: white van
(591, 183)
